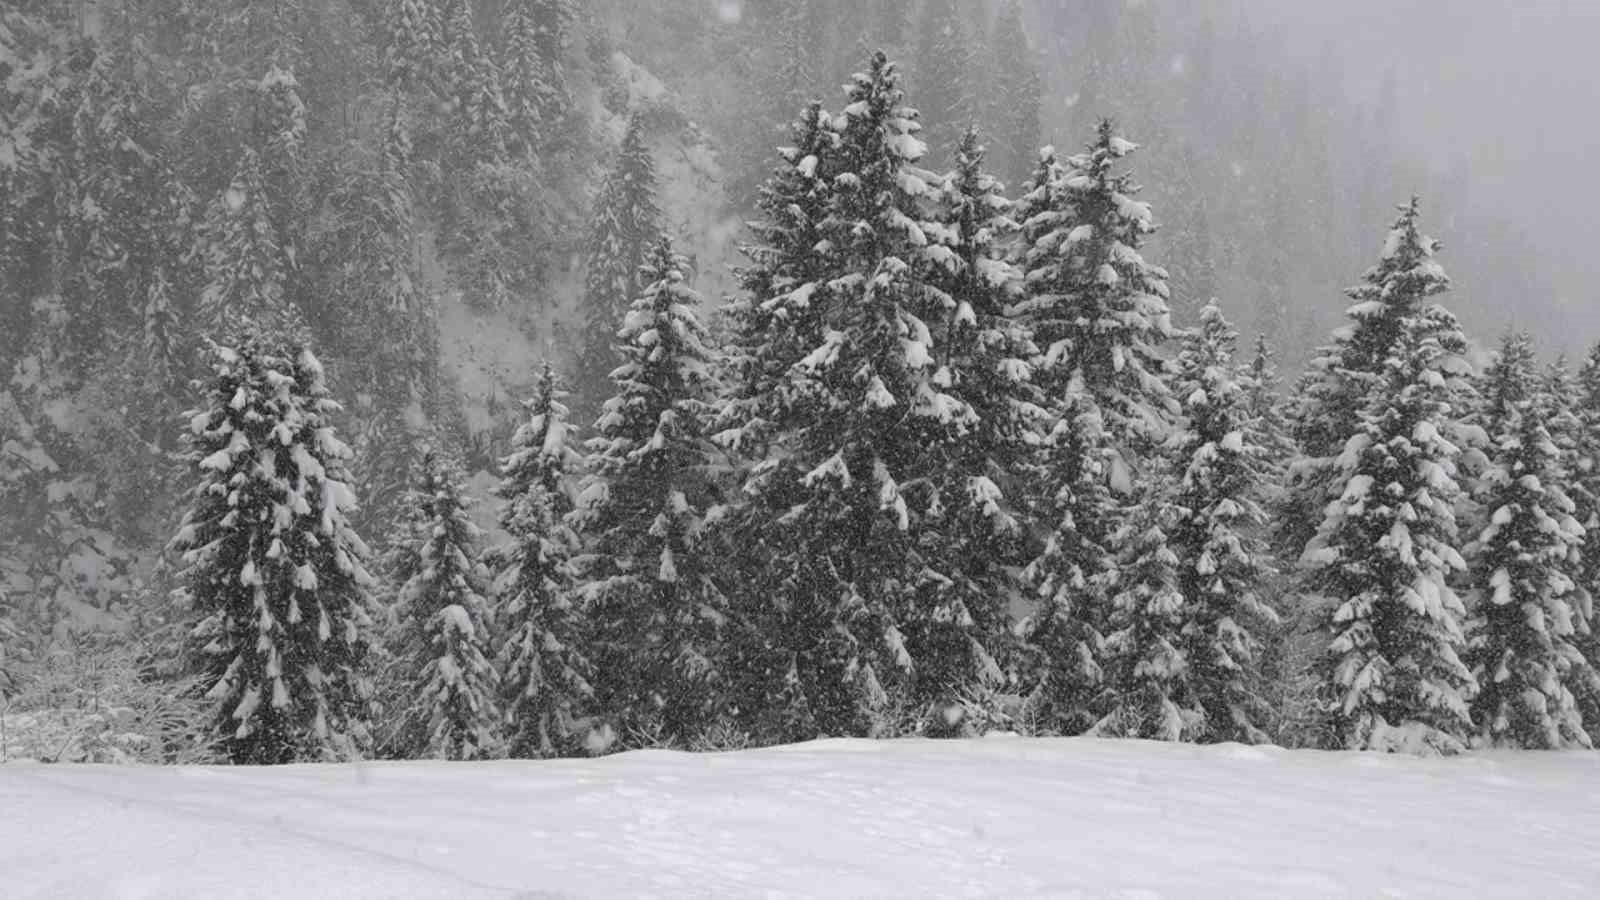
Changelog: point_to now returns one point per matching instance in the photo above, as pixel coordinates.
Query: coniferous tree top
(543, 454)
(1098, 310)
(1395, 296)
(626, 224)
(1399, 287)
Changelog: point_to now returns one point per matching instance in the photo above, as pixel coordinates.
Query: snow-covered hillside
(1003, 817)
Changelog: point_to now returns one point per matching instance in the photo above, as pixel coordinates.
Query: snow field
(1003, 817)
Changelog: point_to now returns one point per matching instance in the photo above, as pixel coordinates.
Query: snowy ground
(1003, 817)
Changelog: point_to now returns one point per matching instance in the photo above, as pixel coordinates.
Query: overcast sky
(1507, 88)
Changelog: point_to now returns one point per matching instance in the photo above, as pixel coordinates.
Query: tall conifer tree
(1386, 550)
(276, 576)
(1524, 622)
(544, 667)
(657, 615)
(442, 640)
(626, 224)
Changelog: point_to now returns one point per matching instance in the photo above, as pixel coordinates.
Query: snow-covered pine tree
(246, 268)
(1562, 394)
(773, 318)
(1098, 311)
(1018, 92)
(107, 187)
(280, 135)
(482, 128)
(1583, 485)
(275, 575)
(1344, 375)
(944, 73)
(365, 255)
(1263, 406)
(834, 516)
(441, 640)
(1521, 635)
(986, 365)
(413, 46)
(1073, 574)
(1189, 625)
(536, 92)
(646, 570)
(544, 670)
(1391, 678)
(626, 224)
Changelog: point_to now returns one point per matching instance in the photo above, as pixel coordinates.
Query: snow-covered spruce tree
(772, 319)
(441, 640)
(246, 268)
(1264, 410)
(985, 365)
(275, 575)
(280, 134)
(1391, 678)
(413, 45)
(1098, 314)
(1561, 394)
(1287, 647)
(107, 186)
(646, 585)
(364, 254)
(1584, 488)
(481, 130)
(1098, 311)
(835, 515)
(544, 670)
(538, 99)
(626, 224)
(1345, 374)
(1074, 573)
(944, 73)
(1521, 635)
(1189, 625)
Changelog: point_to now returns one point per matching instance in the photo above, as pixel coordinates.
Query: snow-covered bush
(100, 698)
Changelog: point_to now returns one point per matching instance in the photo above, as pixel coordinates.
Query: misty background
(1496, 100)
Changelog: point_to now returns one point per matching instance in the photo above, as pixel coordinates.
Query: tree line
(943, 465)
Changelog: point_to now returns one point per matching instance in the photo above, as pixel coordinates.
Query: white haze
(1497, 97)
